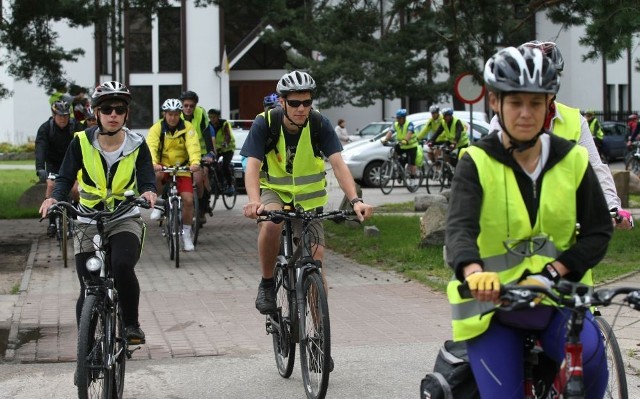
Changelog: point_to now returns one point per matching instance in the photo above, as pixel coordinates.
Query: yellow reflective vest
(306, 185)
(221, 136)
(449, 132)
(401, 134)
(568, 126)
(95, 182)
(553, 233)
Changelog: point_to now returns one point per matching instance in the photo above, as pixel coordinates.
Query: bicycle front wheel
(413, 182)
(195, 221)
(90, 370)
(230, 199)
(617, 385)
(65, 237)
(177, 227)
(284, 346)
(119, 352)
(432, 179)
(315, 338)
(446, 177)
(387, 177)
(633, 165)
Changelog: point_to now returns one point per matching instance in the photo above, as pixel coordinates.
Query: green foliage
(10, 148)
(12, 184)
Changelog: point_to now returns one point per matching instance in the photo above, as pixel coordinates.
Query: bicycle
(64, 228)
(632, 160)
(440, 173)
(171, 222)
(302, 314)
(396, 169)
(568, 382)
(219, 185)
(103, 349)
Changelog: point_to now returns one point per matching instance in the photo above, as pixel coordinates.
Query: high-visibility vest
(567, 127)
(401, 134)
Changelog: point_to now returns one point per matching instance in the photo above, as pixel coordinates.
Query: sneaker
(266, 299)
(51, 231)
(156, 214)
(187, 243)
(135, 335)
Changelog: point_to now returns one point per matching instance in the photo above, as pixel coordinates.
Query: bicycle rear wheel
(617, 385)
(92, 380)
(284, 347)
(175, 224)
(315, 337)
(195, 220)
(387, 177)
(432, 178)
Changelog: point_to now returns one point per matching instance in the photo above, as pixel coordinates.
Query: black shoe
(51, 231)
(135, 335)
(266, 299)
(75, 377)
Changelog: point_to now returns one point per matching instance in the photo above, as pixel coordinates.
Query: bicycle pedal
(129, 352)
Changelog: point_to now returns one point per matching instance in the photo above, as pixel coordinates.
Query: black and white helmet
(61, 108)
(550, 49)
(434, 109)
(172, 104)
(522, 69)
(110, 91)
(295, 81)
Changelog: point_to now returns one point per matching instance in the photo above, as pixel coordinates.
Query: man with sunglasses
(52, 140)
(291, 171)
(111, 160)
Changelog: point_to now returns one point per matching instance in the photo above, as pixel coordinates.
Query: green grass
(397, 248)
(13, 183)
(19, 162)
(15, 289)
(408, 206)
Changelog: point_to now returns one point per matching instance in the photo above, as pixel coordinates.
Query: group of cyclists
(527, 184)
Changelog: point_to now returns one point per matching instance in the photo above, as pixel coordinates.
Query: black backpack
(451, 377)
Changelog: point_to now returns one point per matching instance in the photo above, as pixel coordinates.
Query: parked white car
(365, 157)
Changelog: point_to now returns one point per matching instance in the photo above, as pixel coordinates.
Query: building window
(141, 114)
(139, 41)
(169, 40)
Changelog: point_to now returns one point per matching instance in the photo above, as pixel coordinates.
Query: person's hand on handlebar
(484, 286)
(195, 167)
(157, 167)
(623, 220)
(252, 209)
(537, 279)
(46, 204)
(362, 210)
(150, 196)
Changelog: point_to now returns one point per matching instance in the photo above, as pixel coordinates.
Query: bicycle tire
(195, 220)
(171, 235)
(215, 188)
(176, 226)
(633, 165)
(119, 353)
(387, 177)
(90, 369)
(617, 384)
(417, 180)
(284, 347)
(446, 177)
(65, 237)
(230, 200)
(432, 178)
(315, 337)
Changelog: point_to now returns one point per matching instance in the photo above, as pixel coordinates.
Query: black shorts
(411, 154)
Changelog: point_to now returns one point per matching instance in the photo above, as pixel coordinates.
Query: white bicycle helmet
(110, 91)
(295, 81)
(522, 69)
(434, 109)
(172, 104)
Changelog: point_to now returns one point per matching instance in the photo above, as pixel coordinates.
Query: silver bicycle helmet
(295, 81)
(110, 91)
(550, 49)
(61, 108)
(434, 109)
(172, 104)
(522, 69)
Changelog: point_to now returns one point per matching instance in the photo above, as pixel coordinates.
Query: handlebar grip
(464, 291)
(160, 202)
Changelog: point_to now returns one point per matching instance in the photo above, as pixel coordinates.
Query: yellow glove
(403, 142)
(537, 279)
(483, 281)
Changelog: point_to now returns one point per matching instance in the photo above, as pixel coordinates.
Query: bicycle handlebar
(176, 169)
(129, 201)
(565, 293)
(277, 216)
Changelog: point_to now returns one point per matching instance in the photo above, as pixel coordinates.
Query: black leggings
(226, 166)
(125, 252)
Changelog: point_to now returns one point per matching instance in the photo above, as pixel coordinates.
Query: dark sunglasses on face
(296, 103)
(188, 106)
(107, 110)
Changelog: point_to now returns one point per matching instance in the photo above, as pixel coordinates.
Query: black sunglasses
(107, 110)
(296, 103)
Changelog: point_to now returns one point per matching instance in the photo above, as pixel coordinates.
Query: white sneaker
(187, 243)
(156, 214)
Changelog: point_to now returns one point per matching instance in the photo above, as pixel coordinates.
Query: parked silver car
(365, 157)
(371, 130)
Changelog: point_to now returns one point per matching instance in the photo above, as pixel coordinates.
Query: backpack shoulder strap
(274, 122)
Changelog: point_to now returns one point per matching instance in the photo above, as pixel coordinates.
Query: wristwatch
(356, 200)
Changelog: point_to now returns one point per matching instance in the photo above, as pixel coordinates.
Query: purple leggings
(497, 356)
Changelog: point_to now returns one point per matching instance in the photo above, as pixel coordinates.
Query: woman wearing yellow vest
(108, 160)
(294, 173)
(522, 190)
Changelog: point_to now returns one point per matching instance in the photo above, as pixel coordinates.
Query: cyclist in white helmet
(174, 142)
